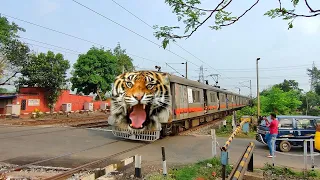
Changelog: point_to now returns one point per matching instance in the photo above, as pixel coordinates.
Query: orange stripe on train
(199, 109)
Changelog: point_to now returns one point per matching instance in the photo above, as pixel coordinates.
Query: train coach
(148, 105)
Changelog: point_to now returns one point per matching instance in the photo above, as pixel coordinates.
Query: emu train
(147, 105)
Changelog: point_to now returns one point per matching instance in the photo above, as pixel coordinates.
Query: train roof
(181, 80)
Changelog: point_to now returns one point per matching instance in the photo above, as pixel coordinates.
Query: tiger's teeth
(130, 125)
(141, 126)
(144, 106)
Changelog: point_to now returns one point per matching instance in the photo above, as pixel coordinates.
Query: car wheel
(284, 146)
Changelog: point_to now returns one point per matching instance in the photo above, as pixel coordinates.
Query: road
(22, 145)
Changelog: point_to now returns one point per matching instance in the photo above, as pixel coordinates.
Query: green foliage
(13, 53)
(247, 111)
(46, 71)
(123, 59)
(288, 85)
(4, 90)
(193, 17)
(280, 102)
(287, 172)
(194, 171)
(94, 72)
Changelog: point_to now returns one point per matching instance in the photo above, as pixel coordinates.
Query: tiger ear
(165, 77)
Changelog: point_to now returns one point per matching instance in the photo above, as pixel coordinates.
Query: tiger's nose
(138, 96)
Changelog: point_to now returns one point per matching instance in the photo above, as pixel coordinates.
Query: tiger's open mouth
(138, 116)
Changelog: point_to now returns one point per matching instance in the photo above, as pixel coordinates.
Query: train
(150, 105)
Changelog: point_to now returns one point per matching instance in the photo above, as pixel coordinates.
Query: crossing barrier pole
(224, 150)
(244, 163)
(164, 163)
(137, 166)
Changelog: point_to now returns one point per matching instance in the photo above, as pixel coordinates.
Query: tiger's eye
(129, 84)
(149, 86)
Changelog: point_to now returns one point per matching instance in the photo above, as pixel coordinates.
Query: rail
(244, 163)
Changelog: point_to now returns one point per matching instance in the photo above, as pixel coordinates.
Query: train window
(196, 96)
(212, 97)
(223, 98)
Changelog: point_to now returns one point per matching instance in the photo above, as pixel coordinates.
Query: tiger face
(141, 100)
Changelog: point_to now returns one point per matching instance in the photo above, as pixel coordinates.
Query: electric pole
(186, 70)
(250, 90)
(201, 76)
(258, 94)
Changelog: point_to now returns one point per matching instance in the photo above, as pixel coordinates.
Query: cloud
(309, 26)
(47, 6)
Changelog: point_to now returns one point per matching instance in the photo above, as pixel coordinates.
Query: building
(33, 98)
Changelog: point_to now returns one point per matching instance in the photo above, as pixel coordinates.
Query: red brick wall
(65, 97)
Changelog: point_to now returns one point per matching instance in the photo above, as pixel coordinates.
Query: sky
(230, 52)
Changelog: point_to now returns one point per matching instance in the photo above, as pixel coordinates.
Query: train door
(227, 100)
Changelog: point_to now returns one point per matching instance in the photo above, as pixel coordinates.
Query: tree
(13, 53)
(310, 103)
(288, 85)
(124, 60)
(95, 71)
(314, 73)
(194, 16)
(47, 71)
(280, 102)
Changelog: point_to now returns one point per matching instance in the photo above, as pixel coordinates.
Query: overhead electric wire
(133, 31)
(51, 45)
(76, 37)
(50, 48)
(174, 42)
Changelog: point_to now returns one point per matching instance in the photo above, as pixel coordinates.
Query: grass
(287, 172)
(194, 171)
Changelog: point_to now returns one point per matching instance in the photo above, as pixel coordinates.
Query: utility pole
(201, 76)
(313, 82)
(238, 88)
(186, 70)
(258, 94)
(307, 105)
(250, 90)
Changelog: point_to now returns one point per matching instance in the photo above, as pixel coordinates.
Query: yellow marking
(237, 174)
(246, 155)
(249, 149)
(242, 163)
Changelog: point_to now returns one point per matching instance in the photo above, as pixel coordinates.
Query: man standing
(273, 128)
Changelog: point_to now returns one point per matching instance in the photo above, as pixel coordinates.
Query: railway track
(103, 123)
(72, 171)
(104, 160)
